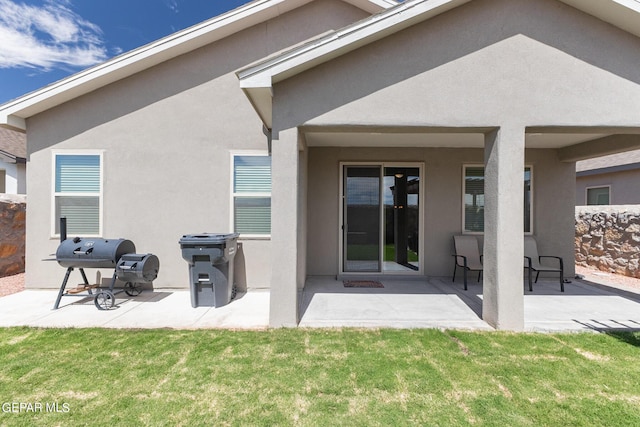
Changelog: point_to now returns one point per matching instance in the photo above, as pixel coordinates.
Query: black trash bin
(210, 257)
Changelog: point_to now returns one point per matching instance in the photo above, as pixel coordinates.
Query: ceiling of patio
(366, 138)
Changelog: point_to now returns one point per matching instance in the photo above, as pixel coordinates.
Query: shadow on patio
(436, 302)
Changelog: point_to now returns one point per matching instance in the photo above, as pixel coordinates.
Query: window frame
(595, 187)
(232, 205)
(531, 202)
(54, 194)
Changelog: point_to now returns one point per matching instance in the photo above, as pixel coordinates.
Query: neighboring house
(13, 154)
(609, 180)
(338, 142)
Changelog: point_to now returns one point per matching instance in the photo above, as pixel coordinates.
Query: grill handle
(81, 252)
(63, 229)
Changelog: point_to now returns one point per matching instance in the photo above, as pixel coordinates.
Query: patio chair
(533, 262)
(467, 256)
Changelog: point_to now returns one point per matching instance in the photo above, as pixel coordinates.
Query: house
(609, 180)
(13, 153)
(340, 138)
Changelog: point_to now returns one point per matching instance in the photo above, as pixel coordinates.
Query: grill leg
(113, 281)
(86, 281)
(64, 285)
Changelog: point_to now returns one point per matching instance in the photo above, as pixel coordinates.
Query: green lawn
(349, 377)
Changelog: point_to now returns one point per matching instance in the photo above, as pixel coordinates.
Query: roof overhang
(14, 113)
(10, 158)
(258, 79)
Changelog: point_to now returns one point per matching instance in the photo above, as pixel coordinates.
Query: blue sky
(42, 41)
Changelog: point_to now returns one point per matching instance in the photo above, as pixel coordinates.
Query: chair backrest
(531, 250)
(467, 246)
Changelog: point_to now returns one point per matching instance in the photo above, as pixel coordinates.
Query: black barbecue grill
(119, 254)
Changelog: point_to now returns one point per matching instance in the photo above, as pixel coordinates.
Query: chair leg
(455, 266)
(561, 281)
(479, 275)
(465, 279)
(530, 285)
(537, 274)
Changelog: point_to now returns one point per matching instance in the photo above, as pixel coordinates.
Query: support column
(503, 295)
(283, 310)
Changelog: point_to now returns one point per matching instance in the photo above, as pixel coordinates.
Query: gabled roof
(258, 79)
(14, 113)
(13, 145)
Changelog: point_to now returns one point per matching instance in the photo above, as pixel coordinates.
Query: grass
(319, 378)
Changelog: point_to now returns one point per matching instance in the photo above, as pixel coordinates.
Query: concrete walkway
(325, 302)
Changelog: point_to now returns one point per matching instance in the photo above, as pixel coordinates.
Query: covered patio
(486, 90)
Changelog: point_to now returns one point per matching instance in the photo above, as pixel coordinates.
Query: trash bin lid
(207, 238)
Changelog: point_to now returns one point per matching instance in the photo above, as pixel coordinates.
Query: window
(473, 216)
(598, 195)
(252, 194)
(78, 193)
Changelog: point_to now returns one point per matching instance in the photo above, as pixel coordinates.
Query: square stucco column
(503, 295)
(283, 309)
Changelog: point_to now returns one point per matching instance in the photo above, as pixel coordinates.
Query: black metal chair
(467, 256)
(533, 262)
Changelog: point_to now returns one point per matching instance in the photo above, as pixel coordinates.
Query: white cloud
(47, 36)
(172, 5)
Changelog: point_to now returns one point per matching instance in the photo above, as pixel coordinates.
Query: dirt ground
(12, 284)
(595, 275)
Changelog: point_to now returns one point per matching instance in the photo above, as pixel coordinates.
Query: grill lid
(92, 253)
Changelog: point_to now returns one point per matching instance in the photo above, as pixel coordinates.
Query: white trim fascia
(14, 113)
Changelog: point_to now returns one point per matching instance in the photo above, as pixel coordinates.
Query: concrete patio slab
(325, 302)
(400, 304)
(151, 309)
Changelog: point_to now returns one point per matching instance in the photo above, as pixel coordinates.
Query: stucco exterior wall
(166, 135)
(552, 211)
(624, 187)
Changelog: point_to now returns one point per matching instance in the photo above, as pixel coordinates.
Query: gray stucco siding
(166, 135)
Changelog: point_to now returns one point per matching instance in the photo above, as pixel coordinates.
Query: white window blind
(77, 193)
(252, 194)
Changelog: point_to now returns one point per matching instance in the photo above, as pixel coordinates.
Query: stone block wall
(608, 238)
(12, 234)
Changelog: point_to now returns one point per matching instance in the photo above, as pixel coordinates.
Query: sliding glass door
(381, 218)
(362, 219)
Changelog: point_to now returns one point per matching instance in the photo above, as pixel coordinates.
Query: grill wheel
(104, 300)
